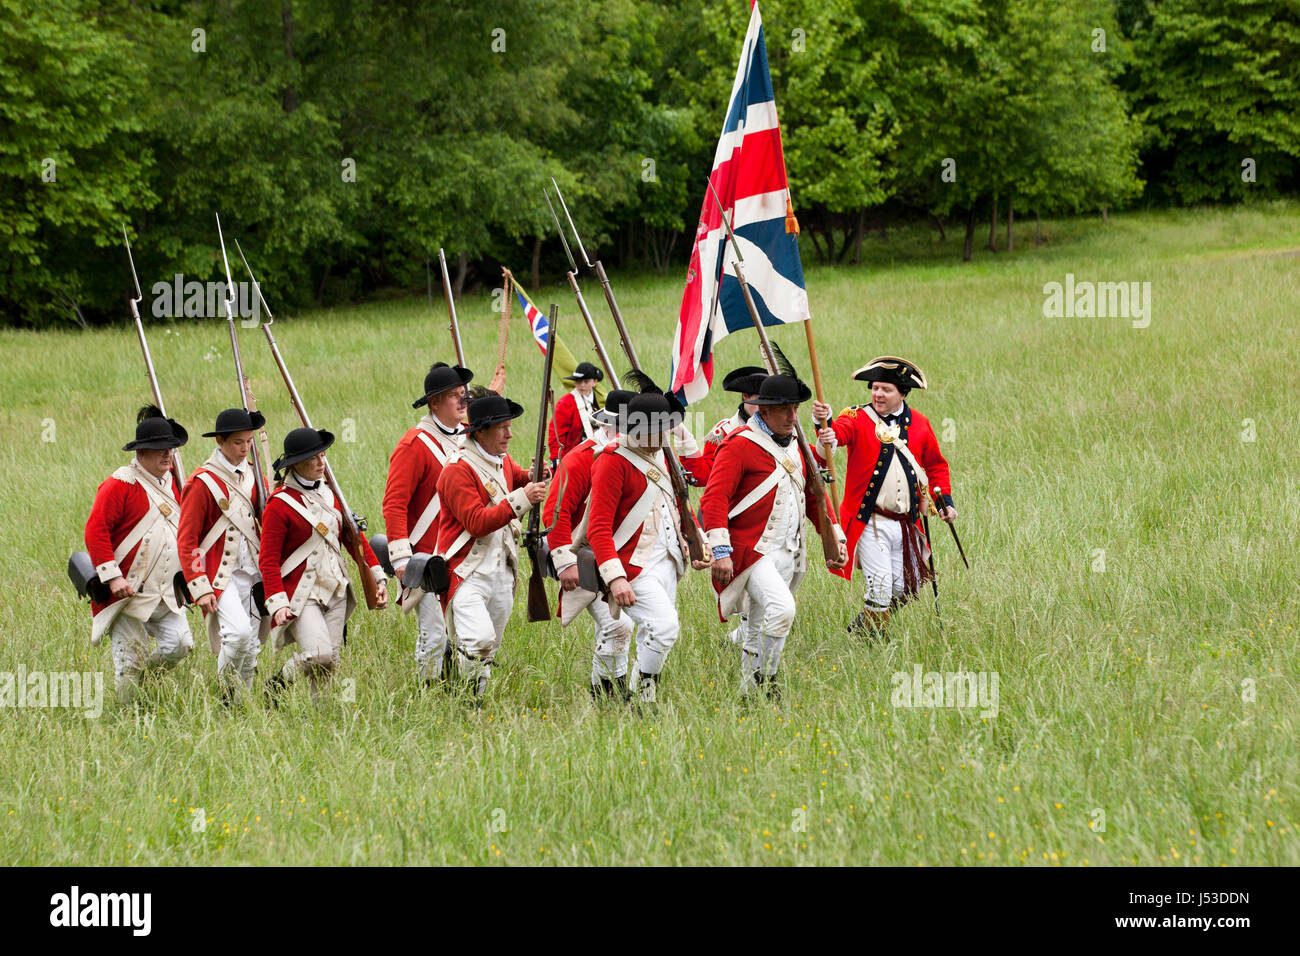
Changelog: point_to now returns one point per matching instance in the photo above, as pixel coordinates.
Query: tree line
(345, 142)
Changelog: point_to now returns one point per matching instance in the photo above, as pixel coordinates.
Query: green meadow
(1127, 495)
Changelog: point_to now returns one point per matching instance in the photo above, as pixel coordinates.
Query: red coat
(413, 473)
(855, 431)
(283, 531)
(465, 507)
(199, 512)
(616, 485)
(567, 499)
(700, 468)
(565, 432)
(118, 507)
(741, 467)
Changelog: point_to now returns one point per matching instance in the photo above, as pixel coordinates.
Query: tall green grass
(1156, 697)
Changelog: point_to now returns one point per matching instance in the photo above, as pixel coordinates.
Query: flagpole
(827, 452)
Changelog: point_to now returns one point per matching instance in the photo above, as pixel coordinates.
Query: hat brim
(805, 393)
(179, 437)
(598, 377)
(515, 411)
(465, 379)
(257, 420)
(903, 375)
(288, 461)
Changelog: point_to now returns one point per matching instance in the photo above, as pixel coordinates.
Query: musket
(825, 524)
(694, 540)
(259, 471)
(582, 303)
(177, 469)
(951, 527)
(539, 607)
(451, 309)
(354, 524)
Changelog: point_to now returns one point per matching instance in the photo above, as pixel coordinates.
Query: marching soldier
(308, 593)
(573, 410)
(746, 381)
(894, 462)
(131, 538)
(753, 512)
(411, 503)
(566, 508)
(218, 545)
(635, 531)
(484, 494)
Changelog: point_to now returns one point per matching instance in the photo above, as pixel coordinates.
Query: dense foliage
(345, 141)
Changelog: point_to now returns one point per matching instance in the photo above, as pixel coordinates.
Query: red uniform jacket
(566, 501)
(465, 507)
(741, 466)
(413, 472)
(616, 485)
(565, 432)
(868, 459)
(283, 531)
(199, 512)
(118, 507)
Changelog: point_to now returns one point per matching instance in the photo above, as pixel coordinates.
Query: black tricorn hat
(236, 420)
(615, 402)
(746, 380)
(491, 409)
(440, 378)
(584, 371)
(650, 413)
(898, 372)
(152, 430)
(781, 390)
(301, 444)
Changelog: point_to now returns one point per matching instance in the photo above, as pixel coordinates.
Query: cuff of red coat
(612, 570)
(719, 538)
(945, 501)
(399, 549)
(200, 587)
(519, 502)
(563, 557)
(276, 601)
(377, 572)
(108, 571)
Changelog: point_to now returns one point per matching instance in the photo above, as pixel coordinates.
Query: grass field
(1133, 587)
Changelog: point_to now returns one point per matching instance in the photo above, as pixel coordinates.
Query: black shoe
(773, 689)
(646, 693)
(622, 691)
(605, 690)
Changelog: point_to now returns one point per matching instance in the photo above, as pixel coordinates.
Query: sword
(960, 549)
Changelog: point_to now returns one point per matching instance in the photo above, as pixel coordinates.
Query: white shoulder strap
(313, 542)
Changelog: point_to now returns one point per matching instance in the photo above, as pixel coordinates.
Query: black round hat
(746, 380)
(491, 409)
(440, 378)
(301, 444)
(650, 413)
(236, 420)
(781, 390)
(584, 371)
(615, 402)
(157, 432)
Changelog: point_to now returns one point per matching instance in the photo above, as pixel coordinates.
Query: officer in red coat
(745, 381)
(635, 531)
(895, 468)
(308, 593)
(753, 511)
(484, 494)
(219, 541)
(411, 503)
(131, 539)
(565, 511)
(573, 410)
